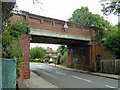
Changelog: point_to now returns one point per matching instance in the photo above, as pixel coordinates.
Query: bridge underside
(78, 50)
(55, 40)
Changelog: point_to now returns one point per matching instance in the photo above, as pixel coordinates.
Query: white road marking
(109, 86)
(81, 78)
(60, 73)
(87, 80)
(77, 77)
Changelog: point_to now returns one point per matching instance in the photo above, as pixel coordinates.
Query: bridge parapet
(40, 22)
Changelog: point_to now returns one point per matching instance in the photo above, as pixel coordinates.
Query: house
(51, 52)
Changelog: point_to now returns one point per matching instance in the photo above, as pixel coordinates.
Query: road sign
(65, 26)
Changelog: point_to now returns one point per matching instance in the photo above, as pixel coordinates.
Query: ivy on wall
(11, 37)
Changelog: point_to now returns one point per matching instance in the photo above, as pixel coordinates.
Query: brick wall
(24, 69)
(39, 22)
(78, 57)
(105, 54)
(100, 50)
(24, 45)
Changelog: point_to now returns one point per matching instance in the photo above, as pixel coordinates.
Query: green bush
(62, 54)
(41, 61)
(46, 59)
(58, 60)
(48, 56)
(31, 60)
(37, 60)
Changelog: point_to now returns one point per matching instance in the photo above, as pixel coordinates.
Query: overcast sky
(62, 9)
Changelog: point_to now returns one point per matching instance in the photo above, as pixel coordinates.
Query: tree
(6, 11)
(111, 7)
(62, 54)
(37, 52)
(112, 41)
(84, 17)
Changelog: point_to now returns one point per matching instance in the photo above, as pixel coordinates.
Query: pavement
(37, 81)
(112, 76)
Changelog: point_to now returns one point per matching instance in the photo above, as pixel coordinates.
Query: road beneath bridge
(69, 79)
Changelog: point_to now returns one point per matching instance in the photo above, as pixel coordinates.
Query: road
(69, 79)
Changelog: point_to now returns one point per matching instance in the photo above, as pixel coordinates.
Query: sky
(62, 10)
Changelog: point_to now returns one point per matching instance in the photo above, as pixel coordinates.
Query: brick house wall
(50, 52)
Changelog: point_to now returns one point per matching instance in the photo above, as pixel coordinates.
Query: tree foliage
(112, 41)
(62, 54)
(37, 52)
(11, 36)
(111, 7)
(109, 35)
(82, 16)
(6, 10)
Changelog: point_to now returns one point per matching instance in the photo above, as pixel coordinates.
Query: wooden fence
(106, 66)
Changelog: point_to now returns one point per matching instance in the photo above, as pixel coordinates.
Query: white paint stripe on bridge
(81, 78)
(109, 86)
(60, 73)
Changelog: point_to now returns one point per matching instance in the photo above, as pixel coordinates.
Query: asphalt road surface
(70, 79)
